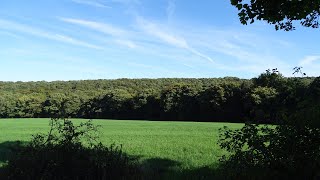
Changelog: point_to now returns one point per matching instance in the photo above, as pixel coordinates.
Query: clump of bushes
(271, 152)
(70, 152)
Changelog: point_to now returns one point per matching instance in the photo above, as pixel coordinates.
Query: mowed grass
(181, 145)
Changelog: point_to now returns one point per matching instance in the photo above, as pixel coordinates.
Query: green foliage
(281, 13)
(264, 104)
(264, 152)
(308, 111)
(217, 99)
(69, 152)
(269, 79)
(165, 149)
(288, 150)
(178, 102)
(215, 96)
(263, 94)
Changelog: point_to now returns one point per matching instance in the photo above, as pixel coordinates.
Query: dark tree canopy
(281, 13)
(266, 98)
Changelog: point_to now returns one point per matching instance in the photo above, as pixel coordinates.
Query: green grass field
(180, 146)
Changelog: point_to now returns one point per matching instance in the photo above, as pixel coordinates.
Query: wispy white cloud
(311, 65)
(231, 49)
(126, 43)
(171, 9)
(91, 3)
(121, 35)
(6, 33)
(127, 2)
(200, 54)
(156, 31)
(71, 40)
(79, 68)
(140, 65)
(242, 51)
(309, 60)
(97, 26)
(13, 26)
(189, 66)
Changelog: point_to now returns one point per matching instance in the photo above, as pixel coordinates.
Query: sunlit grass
(190, 145)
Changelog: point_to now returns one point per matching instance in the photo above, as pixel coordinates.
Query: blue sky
(107, 39)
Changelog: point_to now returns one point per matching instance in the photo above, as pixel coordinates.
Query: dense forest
(267, 98)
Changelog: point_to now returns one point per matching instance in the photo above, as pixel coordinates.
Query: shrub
(265, 152)
(70, 152)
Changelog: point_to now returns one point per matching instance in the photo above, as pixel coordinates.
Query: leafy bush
(271, 152)
(70, 152)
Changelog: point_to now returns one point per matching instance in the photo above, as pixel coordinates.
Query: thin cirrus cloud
(127, 2)
(310, 65)
(227, 43)
(230, 52)
(91, 3)
(13, 26)
(97, 26)
(309, 60)
(119, 34)
(156, 31)
(245, 47)
(126, 43)
(10, 34)
(170, 9)
(73, 41)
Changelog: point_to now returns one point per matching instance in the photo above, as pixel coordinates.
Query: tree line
(268, 98)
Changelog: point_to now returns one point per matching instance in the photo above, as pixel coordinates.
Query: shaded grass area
(186, 150)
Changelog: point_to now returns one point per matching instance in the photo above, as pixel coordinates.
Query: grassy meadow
(177, 146)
